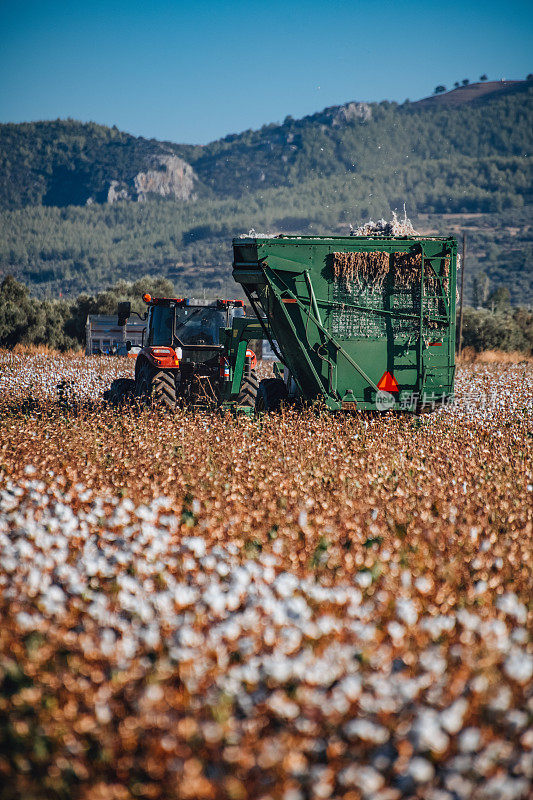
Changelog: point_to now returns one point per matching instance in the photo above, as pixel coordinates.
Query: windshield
(199, 325)
(194, 325)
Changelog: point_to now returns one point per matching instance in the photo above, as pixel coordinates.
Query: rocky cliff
(170, 176)
(166, 176)
(350, 112)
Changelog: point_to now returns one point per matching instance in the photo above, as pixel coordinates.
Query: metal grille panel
(349, 323)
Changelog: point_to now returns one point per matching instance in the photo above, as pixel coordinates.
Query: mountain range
(82, 204)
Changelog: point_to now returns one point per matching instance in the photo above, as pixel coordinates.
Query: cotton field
(295, 607)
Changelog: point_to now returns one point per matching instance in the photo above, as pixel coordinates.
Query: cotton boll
(421, 770)
(519, 666)
(469, 740)
(406, 611)
(452, 718)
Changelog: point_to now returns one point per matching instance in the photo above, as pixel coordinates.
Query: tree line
(60, 323)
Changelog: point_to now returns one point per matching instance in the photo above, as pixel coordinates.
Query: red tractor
(195, 355)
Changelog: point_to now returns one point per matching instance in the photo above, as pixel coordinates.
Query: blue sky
(195, 71)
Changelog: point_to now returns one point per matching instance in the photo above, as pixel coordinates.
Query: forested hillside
(466, 165)
(379, 140)
(66, 162)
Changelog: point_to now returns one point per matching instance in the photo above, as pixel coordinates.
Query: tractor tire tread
(248, 392)
(164, 389)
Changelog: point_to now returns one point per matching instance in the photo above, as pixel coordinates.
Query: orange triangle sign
(388, 383)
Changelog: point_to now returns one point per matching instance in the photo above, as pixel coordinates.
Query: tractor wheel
(164, 388)
(121, 391)
(272, 392)
(248, 392)
(143, 383)
(156, 386)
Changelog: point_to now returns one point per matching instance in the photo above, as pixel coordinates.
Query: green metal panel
(239, 367)
(338, 336)
(235, 341)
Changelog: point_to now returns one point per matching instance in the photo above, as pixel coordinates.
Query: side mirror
(123, 312)
(128, 345)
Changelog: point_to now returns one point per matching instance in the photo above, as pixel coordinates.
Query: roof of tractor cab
(190, 301)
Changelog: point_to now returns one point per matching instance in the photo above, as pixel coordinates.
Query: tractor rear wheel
(157, 386)
(164, 388)
(272, 392)
(248, 392)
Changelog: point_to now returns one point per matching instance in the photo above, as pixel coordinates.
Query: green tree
(19, 317)
(481, 289)
(499, 300)
(484, 330)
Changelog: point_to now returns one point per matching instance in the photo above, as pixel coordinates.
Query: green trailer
(357, 322)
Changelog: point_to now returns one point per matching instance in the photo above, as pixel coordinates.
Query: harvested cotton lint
(371, 268)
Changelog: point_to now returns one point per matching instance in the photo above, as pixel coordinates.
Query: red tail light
(164, 356)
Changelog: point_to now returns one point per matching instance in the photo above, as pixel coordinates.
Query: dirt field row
(293, 607)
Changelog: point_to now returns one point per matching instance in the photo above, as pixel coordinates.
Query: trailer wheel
(247, 396)
(272, 392)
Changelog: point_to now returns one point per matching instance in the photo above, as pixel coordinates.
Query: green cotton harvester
(358, 322)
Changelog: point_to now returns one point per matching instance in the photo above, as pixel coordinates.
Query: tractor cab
(195, 329)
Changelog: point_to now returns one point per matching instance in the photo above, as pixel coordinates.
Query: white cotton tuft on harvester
(253, 235)
(396, 227)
